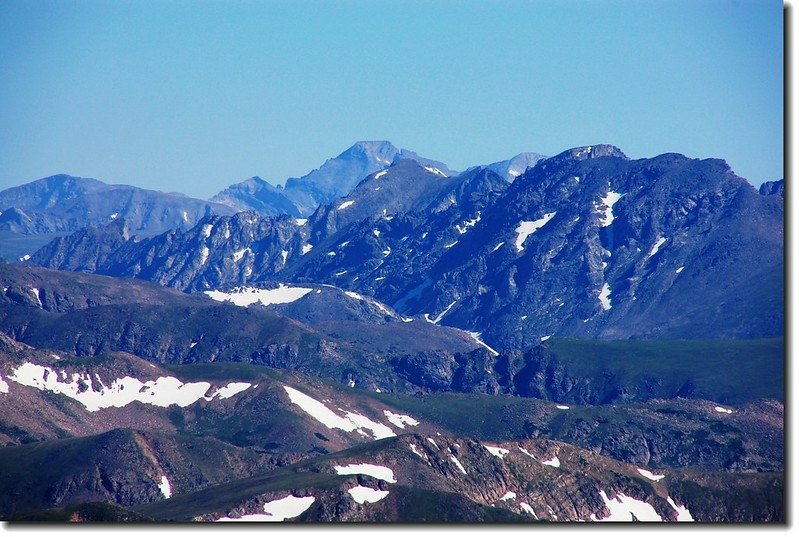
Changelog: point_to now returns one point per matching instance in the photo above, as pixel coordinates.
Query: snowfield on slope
(349, 422)
(244, 296)
(162, 392)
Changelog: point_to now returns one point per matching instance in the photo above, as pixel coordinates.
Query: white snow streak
(3, 385)
(284, 255)
(528, 508)
(206, 230)
(563, 407)
(476, 336)
(433, 442)
(350, 422)
(378, 175)
(306, 248)
(498, 246)
(346, 204)
(649, 475)
(244, 296)
(416, 451)
(683, 514)
(722, 410)
(510, 495)
(441, 315)
(622, 508)
(679, 269)
(457, 463)
(363, 494)
(372, 470)
(528, 227)
(655, 247)
(435, 171)
(233, 388)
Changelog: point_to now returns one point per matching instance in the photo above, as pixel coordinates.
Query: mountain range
(385, 339)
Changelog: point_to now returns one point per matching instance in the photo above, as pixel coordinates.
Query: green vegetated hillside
(723, 370)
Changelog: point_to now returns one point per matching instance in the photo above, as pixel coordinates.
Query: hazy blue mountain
(258, 195)
(62, 204)
(512, 168)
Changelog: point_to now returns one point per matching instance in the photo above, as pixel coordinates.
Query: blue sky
(194, 96)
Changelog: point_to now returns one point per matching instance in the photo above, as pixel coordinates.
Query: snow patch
(498, 246)
(306, 248)
(457, 463)
(416, 451)
(163, 392)
(400, 420)
(683, 514)
(468, 224)
(206, 230)
(450, 245)
(604, 297)
(649, 475)
(528, 227)
(367, 495)
(185, 216)
(244, 296)
(373, 470)
(25, 257)
(165, 487)
(496, 451)
(432, 442)
(277, 510)
(608, 202)
(655, 247)
(679, 269)
(553, 462)
(528, 509)
(378, 175)
(346, 204)
(3, 385)
(622, 508)
(562, 407)
(204, 254)
(543, 338)
(722, 410)
(349, 422)
(300, 221)
(527, 453)
(239, 254)
(510, 495)
(284, 255)
(112, 217)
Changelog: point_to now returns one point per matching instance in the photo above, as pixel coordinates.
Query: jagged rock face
(650, 266)
(586, 243)
(771, 188)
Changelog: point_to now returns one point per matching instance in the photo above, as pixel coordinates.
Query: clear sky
(193, 96)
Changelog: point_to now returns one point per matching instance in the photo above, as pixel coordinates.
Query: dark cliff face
(771, 188)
